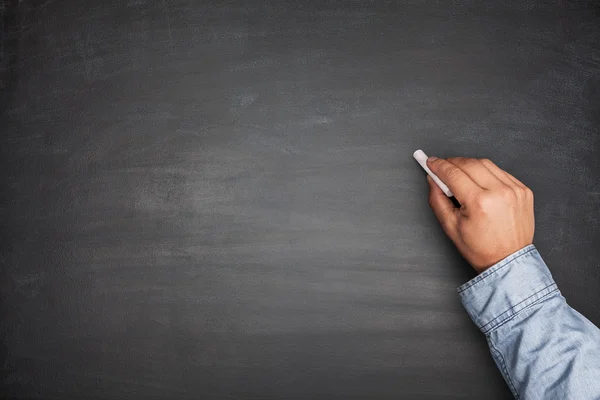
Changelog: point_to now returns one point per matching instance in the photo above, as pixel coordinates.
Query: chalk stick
(421, 158)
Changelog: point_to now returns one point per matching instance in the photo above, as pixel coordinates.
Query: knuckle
(458, 161)
(528, 194)
(469, 163)
(472, 162)
(451, 173)
(487, 201)
(486, 161)
(507, 192)
(507, 195)
(481, 201)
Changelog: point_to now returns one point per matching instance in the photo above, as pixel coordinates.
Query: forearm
(544, 348)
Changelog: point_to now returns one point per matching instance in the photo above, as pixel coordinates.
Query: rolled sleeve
(496, 295)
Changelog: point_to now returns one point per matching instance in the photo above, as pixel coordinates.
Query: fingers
(501, 174)
(444, 210)
(515, 180)
(478, 172)
(461, 185)
(517, 186)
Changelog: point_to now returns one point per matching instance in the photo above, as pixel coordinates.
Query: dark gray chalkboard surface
(217, 200)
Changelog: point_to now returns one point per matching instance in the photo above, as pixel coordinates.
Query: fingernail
(432, 158)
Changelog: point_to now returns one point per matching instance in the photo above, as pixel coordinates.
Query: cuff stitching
(516, 311)
(526, 250)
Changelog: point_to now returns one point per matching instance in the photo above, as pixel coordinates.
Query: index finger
(456, 179)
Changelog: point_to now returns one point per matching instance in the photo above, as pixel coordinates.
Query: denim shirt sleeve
(543, 347)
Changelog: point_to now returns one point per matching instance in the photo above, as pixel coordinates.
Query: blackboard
(217, 200)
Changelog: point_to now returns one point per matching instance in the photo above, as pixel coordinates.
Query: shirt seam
(503, 264)
(509, 381)
(517, 312)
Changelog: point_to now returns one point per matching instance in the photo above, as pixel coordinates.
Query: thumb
(444, 210)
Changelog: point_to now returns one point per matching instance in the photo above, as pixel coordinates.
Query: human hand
(496, 214)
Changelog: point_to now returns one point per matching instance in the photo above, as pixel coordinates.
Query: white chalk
(421, 158)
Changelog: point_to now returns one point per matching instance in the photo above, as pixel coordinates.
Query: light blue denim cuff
(496, 295)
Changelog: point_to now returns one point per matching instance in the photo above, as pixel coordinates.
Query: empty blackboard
(217, 200)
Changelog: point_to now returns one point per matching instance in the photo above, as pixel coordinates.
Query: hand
(496, 214)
